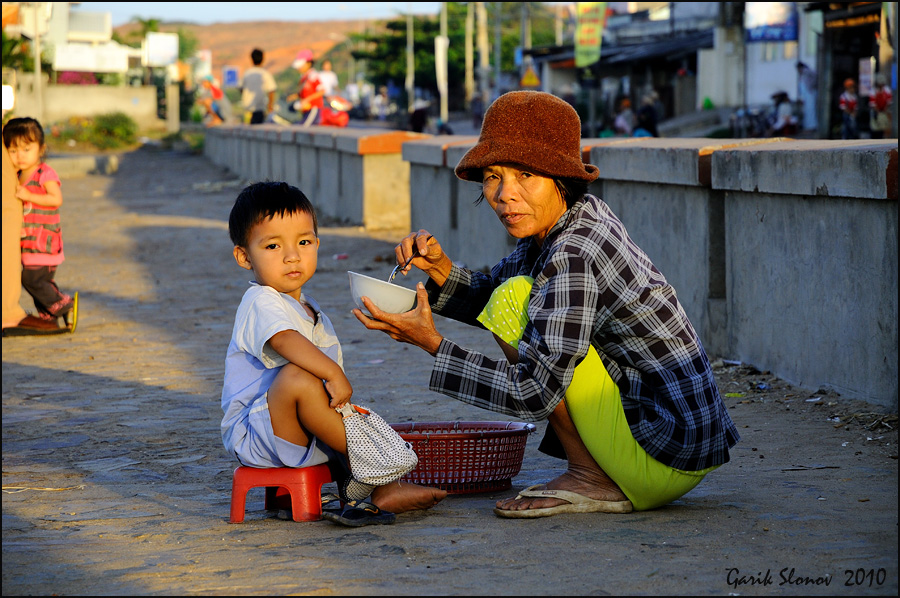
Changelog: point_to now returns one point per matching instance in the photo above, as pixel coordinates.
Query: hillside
(231, 43)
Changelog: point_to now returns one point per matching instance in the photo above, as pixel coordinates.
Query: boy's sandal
(350, 489)
(359, 513)
(331, 502)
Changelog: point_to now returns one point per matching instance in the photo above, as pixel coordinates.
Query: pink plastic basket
(466, 457)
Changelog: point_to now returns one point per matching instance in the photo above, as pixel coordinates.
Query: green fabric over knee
(595, 406)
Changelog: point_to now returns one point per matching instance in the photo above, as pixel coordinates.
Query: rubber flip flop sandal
(72, 314)
(29, 331)
(575, 503)
(358, 514)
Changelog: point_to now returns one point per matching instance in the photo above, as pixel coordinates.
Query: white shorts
(261, 448)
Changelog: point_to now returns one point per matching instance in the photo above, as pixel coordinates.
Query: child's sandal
(358, 513)
(331, 502)
(70, 318)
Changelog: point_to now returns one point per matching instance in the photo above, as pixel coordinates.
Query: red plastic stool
(302, 485)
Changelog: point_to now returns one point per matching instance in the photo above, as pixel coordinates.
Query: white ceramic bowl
(386, 295)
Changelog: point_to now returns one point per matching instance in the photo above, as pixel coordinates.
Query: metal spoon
(398, 267)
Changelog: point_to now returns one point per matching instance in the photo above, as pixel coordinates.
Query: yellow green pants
(595, 405)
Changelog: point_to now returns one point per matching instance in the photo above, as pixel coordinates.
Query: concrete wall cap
(433, 150)
(860, 168)
(381, 142)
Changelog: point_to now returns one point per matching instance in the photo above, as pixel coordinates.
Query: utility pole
(525, 26)
(498, 46)
(470, 54)
(484, 68)
(442, 81)
(361, 44)
(558, 25)
(38, 77)
(410, 62)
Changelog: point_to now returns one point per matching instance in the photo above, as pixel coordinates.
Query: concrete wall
(811, 263)
(353, 176)
(784, 253)
(444, 205)
(61, 102)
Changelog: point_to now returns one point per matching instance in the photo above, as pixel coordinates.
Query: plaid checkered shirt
(592, 286)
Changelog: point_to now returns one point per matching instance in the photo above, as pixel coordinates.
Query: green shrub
(113, 130)
(76, 128)
(189, 141)
(112, 79)
(196, 142)
(196, 115)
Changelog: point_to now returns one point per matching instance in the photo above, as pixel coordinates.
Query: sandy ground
(115, 480)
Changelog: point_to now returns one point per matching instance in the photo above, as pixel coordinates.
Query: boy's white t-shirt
(251, 366)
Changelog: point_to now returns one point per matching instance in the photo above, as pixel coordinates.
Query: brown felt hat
(531, 128)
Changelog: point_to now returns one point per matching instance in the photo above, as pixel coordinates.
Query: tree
(18, 55)
(187, 44)
(146, 26)
(187, 40)
(385, 49)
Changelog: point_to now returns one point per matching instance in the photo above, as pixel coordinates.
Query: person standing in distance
(329, 79)
(258, 90)
(310, 94)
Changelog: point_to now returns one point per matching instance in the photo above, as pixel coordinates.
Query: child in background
(880, 108)
(41, 196)
(284, 373)
(849, 103)
(215, 102)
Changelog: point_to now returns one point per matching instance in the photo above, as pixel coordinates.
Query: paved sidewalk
(115, 480)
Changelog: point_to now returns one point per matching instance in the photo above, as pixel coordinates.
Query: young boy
(284, 374)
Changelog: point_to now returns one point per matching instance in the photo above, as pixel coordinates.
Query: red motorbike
(335, 113)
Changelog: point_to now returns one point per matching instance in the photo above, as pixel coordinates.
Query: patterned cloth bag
(378, 455)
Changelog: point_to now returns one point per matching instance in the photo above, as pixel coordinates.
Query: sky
(206, 13)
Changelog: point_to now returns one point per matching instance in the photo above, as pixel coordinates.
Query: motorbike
(750, 122)
(335, 113)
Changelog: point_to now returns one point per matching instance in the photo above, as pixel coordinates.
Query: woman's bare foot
(402, 496)
(598, 487)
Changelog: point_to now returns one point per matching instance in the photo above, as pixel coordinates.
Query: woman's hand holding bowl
(415, 327)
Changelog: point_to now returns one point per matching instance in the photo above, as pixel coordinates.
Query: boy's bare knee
(293, 382)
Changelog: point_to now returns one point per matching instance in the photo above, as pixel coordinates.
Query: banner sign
(589, 32)
(230, 77)
(770, 21)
